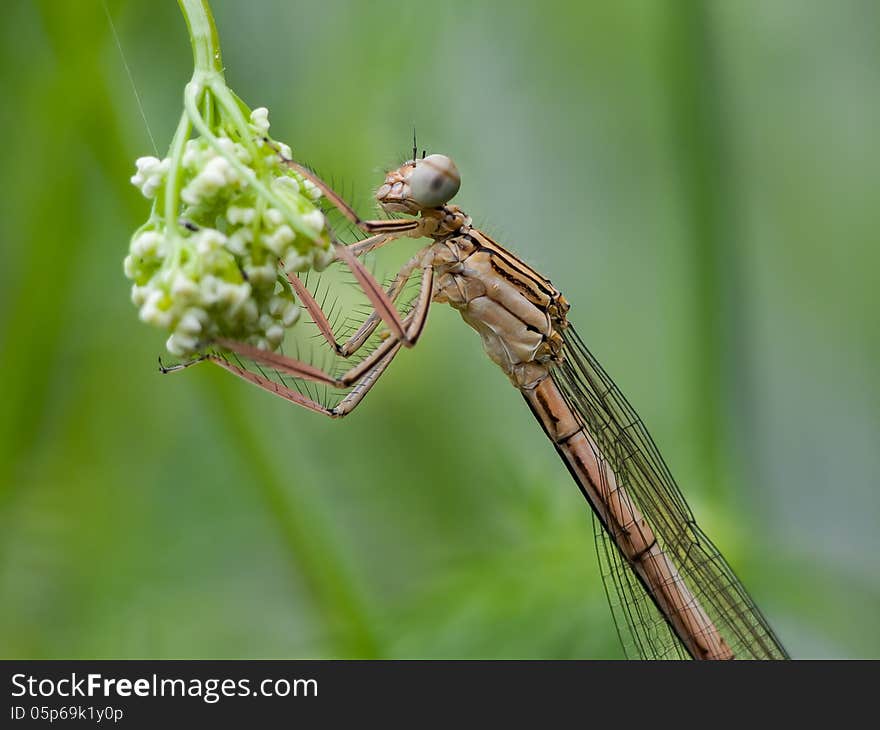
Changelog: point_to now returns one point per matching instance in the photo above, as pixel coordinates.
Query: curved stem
(172, 183)
(202, 35)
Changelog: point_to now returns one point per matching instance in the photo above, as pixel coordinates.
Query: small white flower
(287, 182)
(226, 145)
(209, 289)
(130, 267)
(314, 219)
(261, 275)
(192, 194)
(249, 312)
(237, 242)
(151, 313)
(290, 314)
(273, 216)
(139, 294)
(322, 258)
(234, 295)
(260, 120)
(150, 174)
(209, 240)
(218, 172)
(279, 239)
(275, 334)
(147, 165)
(295, 261)
(276, 305)
(182, 287)
(237, 215)
(189, 323)
(193, 153)
(180, 344)
(311, 190)
(148, 245)
(215, 175)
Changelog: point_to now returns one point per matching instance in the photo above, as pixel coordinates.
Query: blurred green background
(701, 181)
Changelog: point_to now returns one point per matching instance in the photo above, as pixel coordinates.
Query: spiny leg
(352, 399)
(359, 248)
(165, 369)
(376, 294)
(414, 323)
(390, 225)
(281, 363)
(356, 341)
(391, 229)
(271, 386)
(363, 376)
(342, 409)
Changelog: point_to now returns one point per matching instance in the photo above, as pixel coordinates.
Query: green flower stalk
(229, 218)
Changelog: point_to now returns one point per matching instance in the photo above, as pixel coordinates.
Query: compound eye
(434, 181)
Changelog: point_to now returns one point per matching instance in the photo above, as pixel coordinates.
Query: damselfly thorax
(516, 311)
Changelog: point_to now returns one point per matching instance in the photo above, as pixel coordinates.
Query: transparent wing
(628, 449)
(643, 632)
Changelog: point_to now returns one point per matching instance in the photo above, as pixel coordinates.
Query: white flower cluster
(219, 272)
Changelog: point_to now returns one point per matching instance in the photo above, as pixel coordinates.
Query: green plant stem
(172, 184)
(203, 36)
(208, 79)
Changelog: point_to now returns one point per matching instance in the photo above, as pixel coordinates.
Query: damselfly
(671, 591)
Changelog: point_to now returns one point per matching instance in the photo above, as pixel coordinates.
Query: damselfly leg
(383, 231)
(362, 376)
(356, 340)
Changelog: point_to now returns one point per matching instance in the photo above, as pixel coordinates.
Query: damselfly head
(418, 184)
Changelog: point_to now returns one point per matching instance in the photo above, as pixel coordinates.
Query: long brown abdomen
(623, 520)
